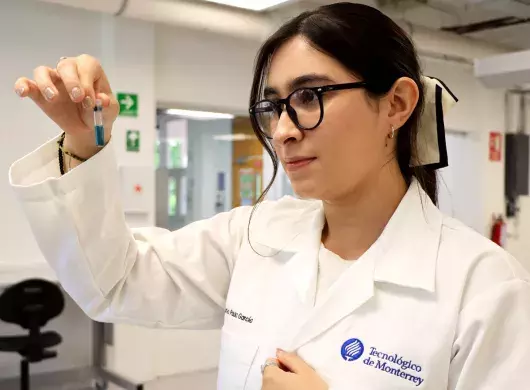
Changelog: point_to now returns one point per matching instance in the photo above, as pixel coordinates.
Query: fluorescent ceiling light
(254, 5)
(199, 114)
(233, 137)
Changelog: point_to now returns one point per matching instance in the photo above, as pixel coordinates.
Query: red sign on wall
(495, 146)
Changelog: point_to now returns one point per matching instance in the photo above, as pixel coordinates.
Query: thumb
(292, 362)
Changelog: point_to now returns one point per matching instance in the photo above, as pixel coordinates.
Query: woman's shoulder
(467, 246)
(474, 262)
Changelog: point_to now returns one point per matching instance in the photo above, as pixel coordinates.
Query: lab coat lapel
(354, 288)
(296, 252)
(303, 266)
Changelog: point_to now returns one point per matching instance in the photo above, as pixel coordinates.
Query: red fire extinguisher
(498, 231)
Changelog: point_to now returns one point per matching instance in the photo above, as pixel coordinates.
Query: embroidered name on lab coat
(239, 316)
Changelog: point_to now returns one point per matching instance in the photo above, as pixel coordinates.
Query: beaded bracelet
(62, 151)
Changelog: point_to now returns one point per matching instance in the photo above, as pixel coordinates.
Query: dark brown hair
(375, 49)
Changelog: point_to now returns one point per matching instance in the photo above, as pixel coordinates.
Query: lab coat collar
(297, 245)
(407, 250)
(405, 254)
(287, 225)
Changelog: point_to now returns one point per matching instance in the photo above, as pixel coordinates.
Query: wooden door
(247, 164)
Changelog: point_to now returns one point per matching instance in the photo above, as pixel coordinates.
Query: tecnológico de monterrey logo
(393, 364)
(352, 350)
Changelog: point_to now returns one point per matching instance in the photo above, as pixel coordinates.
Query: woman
(367, 286)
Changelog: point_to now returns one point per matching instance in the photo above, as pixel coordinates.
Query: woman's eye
(306, 97)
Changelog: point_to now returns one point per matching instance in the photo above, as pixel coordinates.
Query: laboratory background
(182, 71)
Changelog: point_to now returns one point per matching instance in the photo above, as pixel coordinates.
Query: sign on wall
(128, 104)
(495, 146)
(133, 141)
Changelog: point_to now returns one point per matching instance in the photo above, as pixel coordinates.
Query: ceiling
(441, 14)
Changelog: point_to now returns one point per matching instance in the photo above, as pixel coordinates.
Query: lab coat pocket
(236, 358)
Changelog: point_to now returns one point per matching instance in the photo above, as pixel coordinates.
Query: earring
(390, 136)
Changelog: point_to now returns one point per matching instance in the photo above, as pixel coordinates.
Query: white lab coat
(431, 304)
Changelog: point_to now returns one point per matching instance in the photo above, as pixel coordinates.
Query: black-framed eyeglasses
(304, 106)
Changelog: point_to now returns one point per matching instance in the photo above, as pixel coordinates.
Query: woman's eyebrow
(270, 92)
(312, 78)
(299, 82)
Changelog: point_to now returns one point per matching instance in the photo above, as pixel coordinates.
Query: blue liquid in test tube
(98, 123)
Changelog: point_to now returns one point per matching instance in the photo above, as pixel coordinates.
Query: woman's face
(347, 147)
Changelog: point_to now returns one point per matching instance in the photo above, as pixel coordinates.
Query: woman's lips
(298, 163)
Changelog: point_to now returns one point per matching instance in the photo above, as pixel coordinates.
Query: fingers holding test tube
(67, 93)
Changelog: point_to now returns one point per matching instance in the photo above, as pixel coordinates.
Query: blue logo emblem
(352, 350)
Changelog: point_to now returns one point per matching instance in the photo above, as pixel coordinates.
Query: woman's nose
(286, 130)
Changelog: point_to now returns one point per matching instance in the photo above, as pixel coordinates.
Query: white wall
(203, 70)
(460, 187)
(128, 58)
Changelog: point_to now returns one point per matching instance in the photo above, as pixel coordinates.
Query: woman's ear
(402, 98)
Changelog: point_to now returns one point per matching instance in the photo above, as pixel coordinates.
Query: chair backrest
(31, 303)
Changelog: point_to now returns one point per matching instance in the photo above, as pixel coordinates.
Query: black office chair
(31, 304)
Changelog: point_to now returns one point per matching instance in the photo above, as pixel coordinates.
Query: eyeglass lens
(305, 111)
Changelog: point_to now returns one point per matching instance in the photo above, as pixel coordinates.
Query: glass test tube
(98, 123)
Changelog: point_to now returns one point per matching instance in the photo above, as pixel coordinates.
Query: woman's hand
(67, 95)
(295, 375)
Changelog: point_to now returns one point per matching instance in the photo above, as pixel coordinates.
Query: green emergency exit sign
(128, 104)
(133, 141)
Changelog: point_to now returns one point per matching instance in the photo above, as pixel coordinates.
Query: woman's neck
(355, 221)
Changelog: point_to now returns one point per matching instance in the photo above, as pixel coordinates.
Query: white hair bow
(431, 147)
